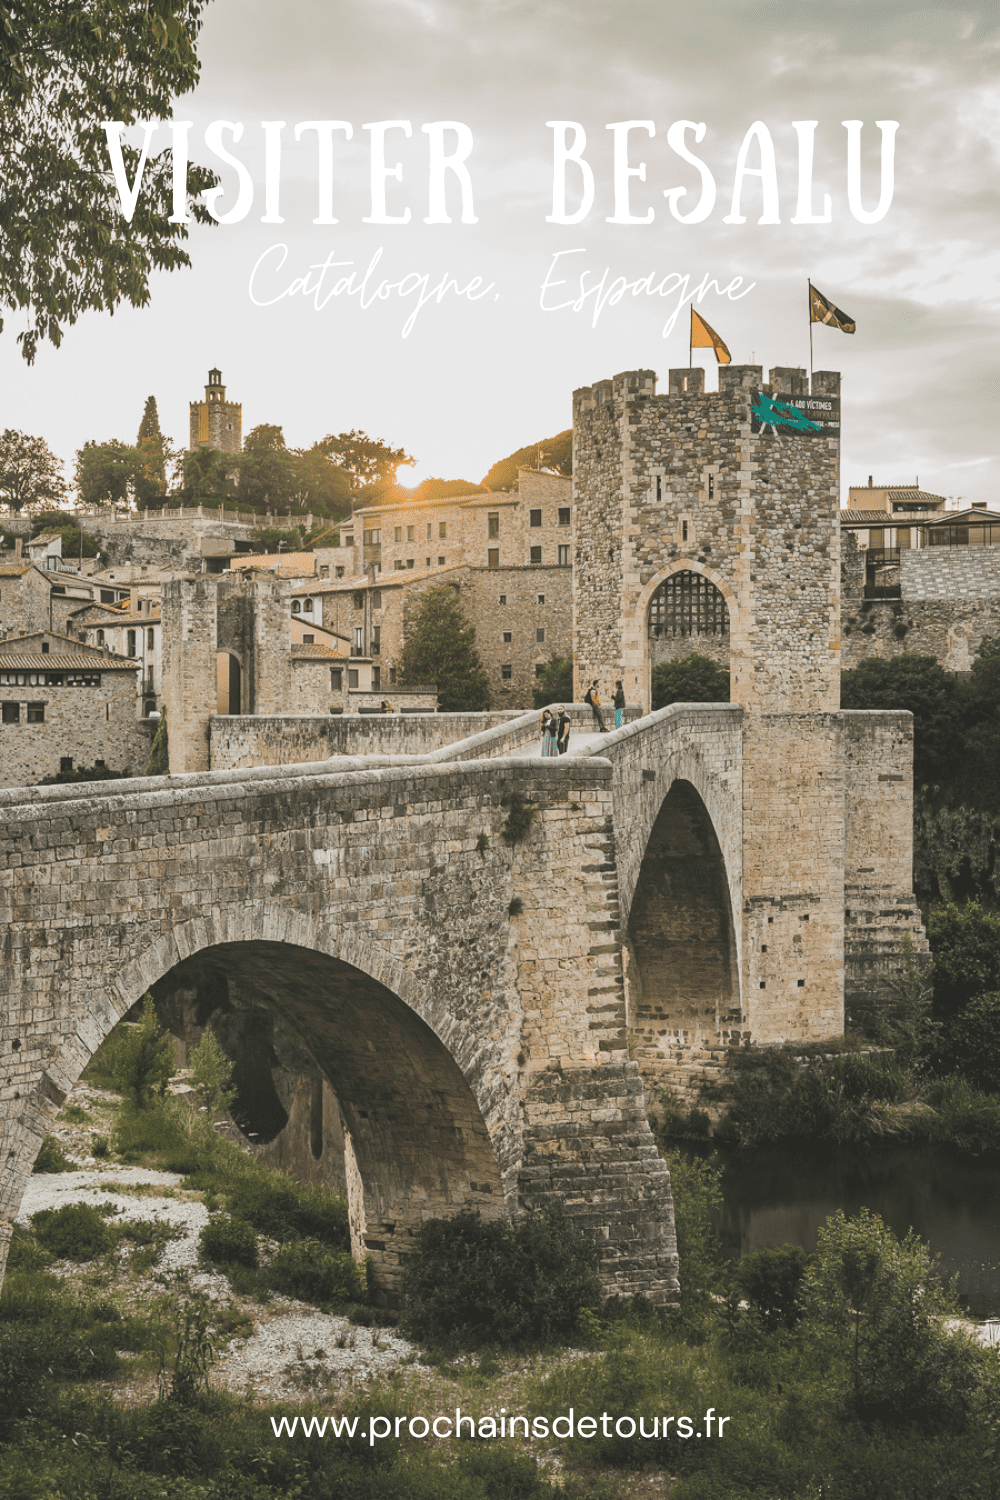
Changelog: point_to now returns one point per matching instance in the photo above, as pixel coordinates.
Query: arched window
(687, 603)
(296, 607)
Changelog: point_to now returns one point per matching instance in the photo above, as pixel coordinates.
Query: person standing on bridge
(562, 730)
(548, 734)
(593, 697)
(619, 704)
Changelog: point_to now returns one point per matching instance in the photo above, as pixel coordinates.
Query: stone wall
(161, 541)
(83, 725)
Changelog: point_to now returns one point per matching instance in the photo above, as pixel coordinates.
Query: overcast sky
(474, 379)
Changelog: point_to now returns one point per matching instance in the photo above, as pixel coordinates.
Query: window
(359, 600)
(348, 541)
(430, 530)
(442, 530)
(440, 562)
(505, 672)
(399, 565)
(564, 515)
(411, 533)
(296, 606)
(308, 640)
(36, 713)
(359, 640)
(508, 636)
(540, 668)
(684, 531)
(376, 598)
(659, 486)
(536, 556)
(10, 713)
(503, 598)
(65, 763)
(373, 538)
(307, 606)
(534, 518)
(352, 677)
(493, 557)
(100, 637)
(337, 679)
(711, 486)
(539, 637)
(338, 573)
(493, 523)
(409, 562)
(541, 598)
(150, 639)
(392, 674)
(564, 559)
(376, 677)
(376, 639)
(427, 562)
(398, 534)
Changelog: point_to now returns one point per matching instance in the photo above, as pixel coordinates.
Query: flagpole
(691, 342)
(809, 284)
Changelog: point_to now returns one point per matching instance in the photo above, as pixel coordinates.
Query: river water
(782, 1196)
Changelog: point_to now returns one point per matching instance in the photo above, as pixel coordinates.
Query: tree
(965, 942)
(151, 447)
(207, 474)
(266, 468)
(556, 682)
(142, 1059)
(106, 472)
(441, 648)
(211, 1076)
(691, 679)
(922, 686)
(366, 460)
(552, 455)
(884, 1301)
(320, 485)
(29, 470)
(65, 245)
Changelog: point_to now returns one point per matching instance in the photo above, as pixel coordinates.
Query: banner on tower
(795, 416)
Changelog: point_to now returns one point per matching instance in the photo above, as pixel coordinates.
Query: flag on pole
(704, 337)
(822, 310)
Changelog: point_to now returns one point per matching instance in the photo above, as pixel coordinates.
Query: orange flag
(704, 337)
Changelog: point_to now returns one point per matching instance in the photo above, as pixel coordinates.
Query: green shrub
(157, 1135)
(519, 820)
(227, 1242)
(279, 1207)
(696, 1188)
(308, 1270)
(771, 1281)
(692, 679)
(884, 1300)
(965, 943)
(970, 1044)
(474, 1281)
(964, 1116)
(26, 1252)
(77, 1232)
(211, 1076)
(51, 1158)
(100, 1146)
(142, 1058)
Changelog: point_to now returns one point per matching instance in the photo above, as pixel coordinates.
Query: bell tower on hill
(216, 422)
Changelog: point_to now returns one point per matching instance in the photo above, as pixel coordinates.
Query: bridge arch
(684, 983)
(427, 1131)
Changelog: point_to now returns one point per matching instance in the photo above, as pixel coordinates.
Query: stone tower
(728, 501)
(216, 422)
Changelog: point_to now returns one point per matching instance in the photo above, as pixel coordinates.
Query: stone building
(64, 706)
(216, 422)
(532, 527)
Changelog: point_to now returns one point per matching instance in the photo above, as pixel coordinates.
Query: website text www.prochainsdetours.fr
(376, 1428)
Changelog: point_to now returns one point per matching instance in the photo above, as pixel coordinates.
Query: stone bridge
(475, 1004)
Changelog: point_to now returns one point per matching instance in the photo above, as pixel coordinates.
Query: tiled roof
(14, 569)
(312, 648)
(395, 576)
(52, 661)
(886, 518)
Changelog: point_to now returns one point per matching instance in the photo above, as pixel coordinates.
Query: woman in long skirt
(548, 734)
